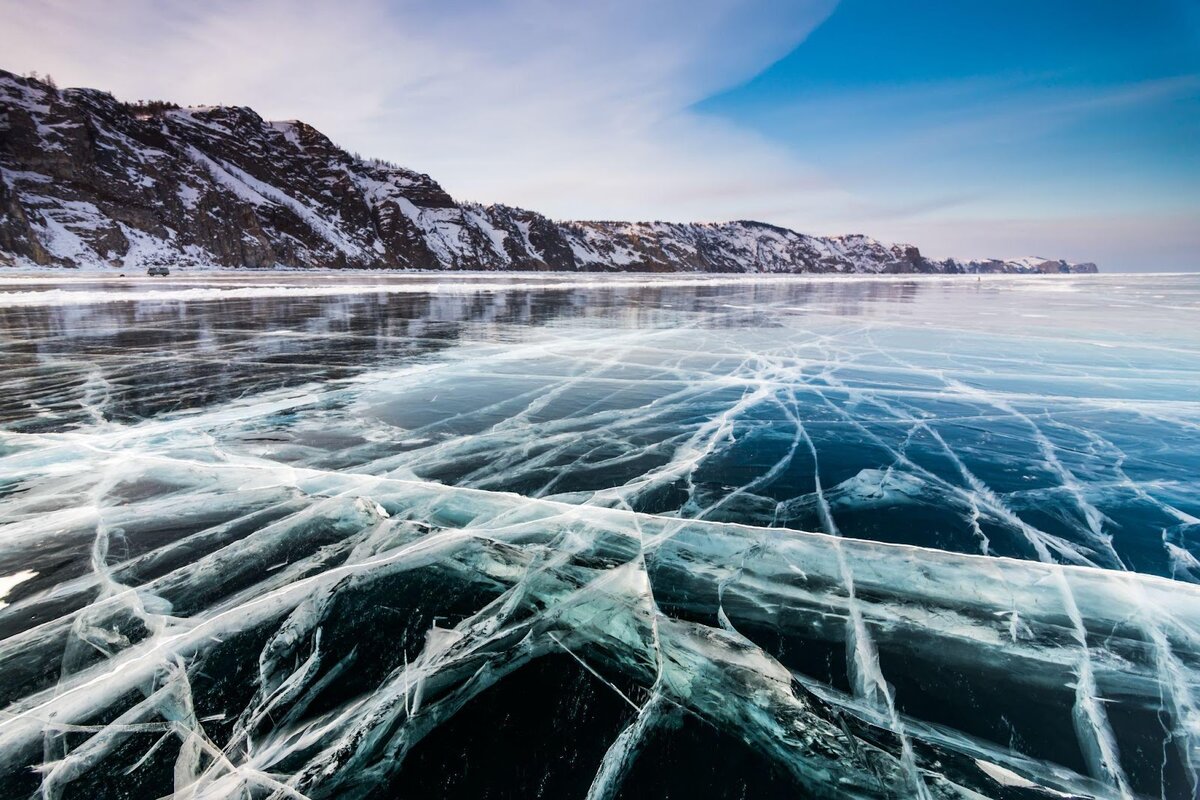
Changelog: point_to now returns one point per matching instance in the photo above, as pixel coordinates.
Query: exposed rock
(86, 180)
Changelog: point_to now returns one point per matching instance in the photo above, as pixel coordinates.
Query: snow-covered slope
(88, 181)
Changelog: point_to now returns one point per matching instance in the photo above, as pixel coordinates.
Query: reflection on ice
(575, 544)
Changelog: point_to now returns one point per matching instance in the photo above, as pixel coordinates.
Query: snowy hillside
(88, 181)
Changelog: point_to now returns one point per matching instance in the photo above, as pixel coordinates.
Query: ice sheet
(871, 539)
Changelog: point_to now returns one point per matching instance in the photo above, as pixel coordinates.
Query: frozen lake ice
(561, 536)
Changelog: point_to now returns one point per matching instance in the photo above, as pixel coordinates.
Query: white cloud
(578, 109)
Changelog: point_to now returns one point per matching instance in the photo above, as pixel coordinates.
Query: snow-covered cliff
(86, 180)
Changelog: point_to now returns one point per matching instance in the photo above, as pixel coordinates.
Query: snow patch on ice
(9, 582)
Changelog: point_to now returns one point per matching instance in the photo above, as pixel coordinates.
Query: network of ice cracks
(289, 591)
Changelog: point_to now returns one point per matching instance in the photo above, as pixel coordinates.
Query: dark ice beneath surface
(332, 536)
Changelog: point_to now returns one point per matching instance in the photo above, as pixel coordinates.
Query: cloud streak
(578, 109)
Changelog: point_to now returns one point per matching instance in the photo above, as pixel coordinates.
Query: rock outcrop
(86, 181)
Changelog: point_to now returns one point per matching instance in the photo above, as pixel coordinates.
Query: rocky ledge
(86, 181)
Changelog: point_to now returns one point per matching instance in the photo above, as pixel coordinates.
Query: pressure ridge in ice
(687, 541)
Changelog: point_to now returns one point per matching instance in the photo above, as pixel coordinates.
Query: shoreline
(19, 275)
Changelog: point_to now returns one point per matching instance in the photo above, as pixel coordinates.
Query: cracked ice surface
(491, 537)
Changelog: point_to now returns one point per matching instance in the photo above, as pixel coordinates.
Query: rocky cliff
(86, 181)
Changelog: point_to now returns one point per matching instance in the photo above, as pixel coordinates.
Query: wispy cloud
(581, 109)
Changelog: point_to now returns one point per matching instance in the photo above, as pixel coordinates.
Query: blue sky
(975, 128)
(979, 110)
(1093, 103)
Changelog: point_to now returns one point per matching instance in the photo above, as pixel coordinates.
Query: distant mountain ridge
(88, 181)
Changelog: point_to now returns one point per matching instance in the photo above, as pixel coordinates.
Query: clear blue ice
(562, 536)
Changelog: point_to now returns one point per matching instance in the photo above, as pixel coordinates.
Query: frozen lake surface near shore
(605, 536)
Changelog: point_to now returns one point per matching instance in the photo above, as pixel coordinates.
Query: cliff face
(88, 181)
